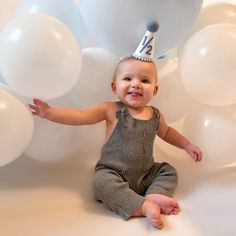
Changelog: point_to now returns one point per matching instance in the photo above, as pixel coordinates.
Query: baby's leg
(162, 188)
(112, 190)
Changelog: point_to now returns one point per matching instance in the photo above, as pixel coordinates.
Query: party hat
(145, 50)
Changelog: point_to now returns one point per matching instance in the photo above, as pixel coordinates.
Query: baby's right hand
(39, 108)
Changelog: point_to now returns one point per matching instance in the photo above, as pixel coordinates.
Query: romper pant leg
(112, 190)
(164, 181)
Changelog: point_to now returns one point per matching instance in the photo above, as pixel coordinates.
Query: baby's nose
(136, 84)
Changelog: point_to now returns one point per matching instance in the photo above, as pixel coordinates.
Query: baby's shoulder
(110, 106)
(111, 109)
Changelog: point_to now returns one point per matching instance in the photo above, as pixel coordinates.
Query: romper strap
(122, 109)
(156, 113)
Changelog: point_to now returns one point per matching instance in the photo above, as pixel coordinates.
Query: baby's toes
(157, 223)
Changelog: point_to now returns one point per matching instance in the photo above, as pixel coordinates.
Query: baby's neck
(141, 113)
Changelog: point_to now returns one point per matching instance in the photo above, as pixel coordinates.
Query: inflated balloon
(120, 25)
(171, 99)
(14, 92)
(2, 81)
(216, 14)
(208, 68)
(94, 83)
(16, 127)
(39, 56)
(51, 141)
(66, 11)
(214, 134)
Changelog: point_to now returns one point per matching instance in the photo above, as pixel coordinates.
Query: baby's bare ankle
(141, 211)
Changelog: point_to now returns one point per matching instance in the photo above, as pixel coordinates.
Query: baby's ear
(155, 90)
(113, 86)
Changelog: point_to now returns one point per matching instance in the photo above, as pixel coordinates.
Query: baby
(126, 177)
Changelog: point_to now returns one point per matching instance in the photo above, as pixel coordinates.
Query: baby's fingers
(37, 101)
(34, 109)
(197, 157)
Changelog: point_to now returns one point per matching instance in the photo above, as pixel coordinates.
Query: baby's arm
(69, 116)
(173, 137)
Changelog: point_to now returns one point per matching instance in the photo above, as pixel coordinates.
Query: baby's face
(135, 82)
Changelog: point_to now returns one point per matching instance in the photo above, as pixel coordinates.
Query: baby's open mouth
(135, 93)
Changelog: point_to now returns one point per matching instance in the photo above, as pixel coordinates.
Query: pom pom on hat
(145, 50)
(152, 26)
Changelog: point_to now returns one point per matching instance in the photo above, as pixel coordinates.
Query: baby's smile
(135, 94)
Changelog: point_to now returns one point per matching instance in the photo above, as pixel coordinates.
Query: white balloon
(51, 141)
(16, 127)
(15, 93)
(39, 56)
(171, 99)
(207, 65)
(92, 141)
(2, 81)
(215, 134)
(94, 83)
(216, 14)
(120, 25)
(66, 11)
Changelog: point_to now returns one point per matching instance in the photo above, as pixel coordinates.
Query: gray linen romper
(126, 171)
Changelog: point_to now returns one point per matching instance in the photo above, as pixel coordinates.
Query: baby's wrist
(48, 113)
(187, 145)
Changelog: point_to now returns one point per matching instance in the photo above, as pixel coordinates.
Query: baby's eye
(146, 81)
(127, 78)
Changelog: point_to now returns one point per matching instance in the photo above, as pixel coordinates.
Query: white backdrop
(55, 198)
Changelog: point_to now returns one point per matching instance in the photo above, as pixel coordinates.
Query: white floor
(47, 199)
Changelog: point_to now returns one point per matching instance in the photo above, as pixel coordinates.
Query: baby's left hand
(194, 152)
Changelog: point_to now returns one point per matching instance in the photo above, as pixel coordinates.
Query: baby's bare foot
(168, 205)
(152, 211)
